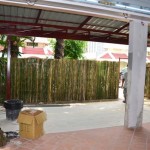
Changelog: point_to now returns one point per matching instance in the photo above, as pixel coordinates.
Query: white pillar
(138, 31)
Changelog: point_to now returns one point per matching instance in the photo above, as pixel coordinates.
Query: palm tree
(16, 42)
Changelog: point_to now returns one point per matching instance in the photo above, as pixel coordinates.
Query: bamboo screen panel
(147, 81)
(61, 81)
(2, 79)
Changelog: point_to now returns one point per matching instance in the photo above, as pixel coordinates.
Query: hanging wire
(31, 2)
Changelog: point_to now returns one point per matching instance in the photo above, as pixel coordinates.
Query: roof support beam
(64, 35)
(118, 30)
(82, 24)
(38, 16)
(61, 27)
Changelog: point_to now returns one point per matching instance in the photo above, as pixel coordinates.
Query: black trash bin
(13, 108)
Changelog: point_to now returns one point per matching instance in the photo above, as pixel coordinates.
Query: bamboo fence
(61, 81)
(2, 81)
(147, 81)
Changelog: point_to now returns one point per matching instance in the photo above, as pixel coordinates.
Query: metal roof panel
(62, 17)
(24, 21)
(106, 22)
(60, 23)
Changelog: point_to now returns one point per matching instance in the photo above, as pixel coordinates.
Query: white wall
(94, 49)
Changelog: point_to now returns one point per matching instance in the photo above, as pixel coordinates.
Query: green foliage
(74, 49)
(52, 43)
(3, 39)
(2, 64)
(19, 40)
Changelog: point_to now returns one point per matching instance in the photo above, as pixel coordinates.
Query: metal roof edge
(80, 8)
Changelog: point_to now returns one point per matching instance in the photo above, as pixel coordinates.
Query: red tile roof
(106, 56)
(118, 55)
(115, 56)
(109, 55)
(37, 51)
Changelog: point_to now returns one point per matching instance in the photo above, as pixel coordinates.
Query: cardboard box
(31, 123)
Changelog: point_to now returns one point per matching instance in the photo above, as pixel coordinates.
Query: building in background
(97, 49)
(116, 48)
(93, 50)
(39, 49)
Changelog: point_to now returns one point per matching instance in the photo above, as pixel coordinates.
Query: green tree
(16, 42)
(72, 49)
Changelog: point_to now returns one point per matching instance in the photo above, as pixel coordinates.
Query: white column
(138, 31)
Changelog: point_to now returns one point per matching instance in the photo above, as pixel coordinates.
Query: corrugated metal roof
(24, 21)
(62, 17)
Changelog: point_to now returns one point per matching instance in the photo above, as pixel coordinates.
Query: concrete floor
(79, 116)
(80, 124)
(76, 117)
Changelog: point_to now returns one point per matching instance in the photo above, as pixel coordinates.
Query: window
(31, 44)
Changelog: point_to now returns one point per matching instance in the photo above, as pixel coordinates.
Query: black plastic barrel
(13, 108)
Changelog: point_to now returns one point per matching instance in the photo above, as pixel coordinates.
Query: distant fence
(147, 81)
(60, 81)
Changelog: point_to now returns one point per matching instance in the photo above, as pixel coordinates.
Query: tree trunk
(14, 49)
(59, 49)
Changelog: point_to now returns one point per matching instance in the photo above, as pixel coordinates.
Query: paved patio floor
(88, 126)
(113, 138)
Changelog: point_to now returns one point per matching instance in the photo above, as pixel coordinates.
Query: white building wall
(94, 49)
